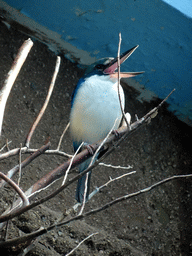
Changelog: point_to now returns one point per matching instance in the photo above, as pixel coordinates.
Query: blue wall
(163, 33)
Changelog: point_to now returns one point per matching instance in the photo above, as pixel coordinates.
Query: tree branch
(12, 75)
(16, 188)
(27, 161)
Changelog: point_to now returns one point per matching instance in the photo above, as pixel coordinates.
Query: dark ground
(156, 223)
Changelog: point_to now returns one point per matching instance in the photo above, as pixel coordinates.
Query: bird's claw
(89, 148)
(116, 133)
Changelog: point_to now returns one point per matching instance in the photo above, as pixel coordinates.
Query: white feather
(96, 107)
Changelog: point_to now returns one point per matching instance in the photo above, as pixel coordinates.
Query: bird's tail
(81, 182)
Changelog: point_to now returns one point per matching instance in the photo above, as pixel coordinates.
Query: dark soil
(156, 223)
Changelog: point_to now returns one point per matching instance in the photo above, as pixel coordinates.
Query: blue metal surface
(163, 33)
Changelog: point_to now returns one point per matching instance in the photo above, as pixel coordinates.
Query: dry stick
(81, 157)
(6, 145)
(16, 188)
(58, 61)
(98, 189)
(12, 152)
(81, 243)
(116, 166)
(16, 151)
(37, 233)
(27, 161)
(59, 144)
(12, 75)
(51, 152)
(71, 161)
(119, 78)
(20, 167)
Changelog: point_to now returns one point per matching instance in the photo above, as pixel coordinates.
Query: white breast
(96, 107)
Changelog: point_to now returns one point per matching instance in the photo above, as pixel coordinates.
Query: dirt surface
(156, 223)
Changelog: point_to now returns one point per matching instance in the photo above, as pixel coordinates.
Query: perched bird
(95, 108)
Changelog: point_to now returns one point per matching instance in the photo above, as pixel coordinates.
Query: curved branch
(16, 188)
(12, 75)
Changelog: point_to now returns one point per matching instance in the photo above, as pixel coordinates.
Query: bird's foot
(116, 133)
(89, 148)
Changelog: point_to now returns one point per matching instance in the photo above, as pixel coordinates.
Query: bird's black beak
(112, 66)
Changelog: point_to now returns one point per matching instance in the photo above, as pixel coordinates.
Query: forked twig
(24, 150)
(27, 161)
(94, 192)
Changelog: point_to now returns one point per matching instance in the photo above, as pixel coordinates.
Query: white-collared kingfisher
(95, 108)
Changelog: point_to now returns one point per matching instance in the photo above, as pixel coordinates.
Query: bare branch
(12, 75)
(24, 150)
(27, 161)
(5, 146)
(71, 161)
(119, 78)
(45, 103)
(116, 167)
(20, 167)
(81, 243)
(94, 192)
(59, 144)
(16, 188)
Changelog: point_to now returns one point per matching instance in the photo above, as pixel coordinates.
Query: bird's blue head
(108, 66)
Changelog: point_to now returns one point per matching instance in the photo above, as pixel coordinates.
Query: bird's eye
(99, 67)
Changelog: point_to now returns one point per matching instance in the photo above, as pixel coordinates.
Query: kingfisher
(96, 109)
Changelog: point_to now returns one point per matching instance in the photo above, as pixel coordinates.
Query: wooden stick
(58, 61)
(12, 75)
(16, 188)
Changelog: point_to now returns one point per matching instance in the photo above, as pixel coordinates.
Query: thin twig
(116, 167)
(71, 161)
(19, 179)
(60, 140)
(12, 75)
(25, 150)
(81, 243)
(119, 78)
(94, 192)
(45, 103)
(7, 143)
(16, 188)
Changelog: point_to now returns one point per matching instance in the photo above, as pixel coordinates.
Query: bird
(96, 109)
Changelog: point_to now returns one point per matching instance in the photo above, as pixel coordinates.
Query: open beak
(113, 65)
